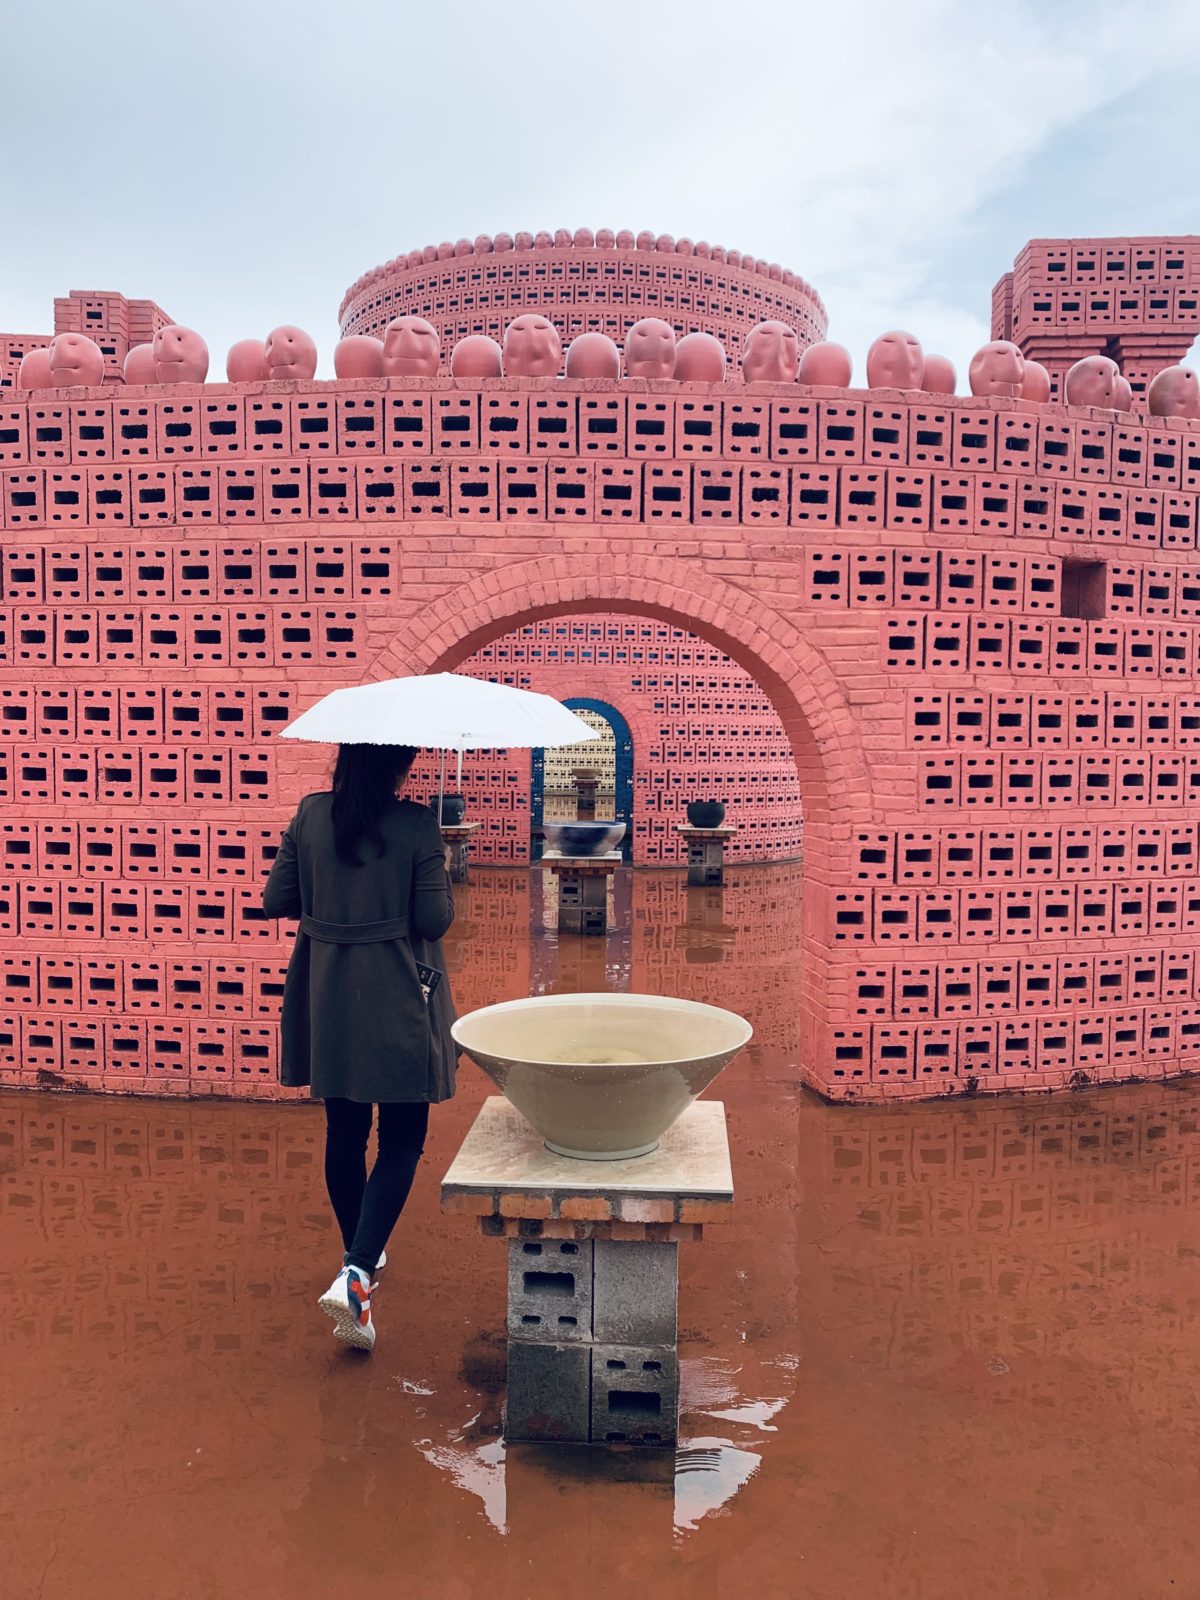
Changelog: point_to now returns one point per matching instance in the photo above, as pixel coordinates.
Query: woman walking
(366, 1006)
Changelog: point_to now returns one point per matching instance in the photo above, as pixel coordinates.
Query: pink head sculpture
(650, 349)
(665, 243)
(584, 239)
(358, 355)
(1092, 382)
(593, 355)
(463, 247)
(699, 358)
(717, 252)
(412, 348)
(939, 376)
(446, 250)
(1174, 392)
(645, 240)
(180, 355)
(1036, 384)
(290, 353)
(562, 238)
(34, 371)
(429, 255)
(503, 242)
(139, 365)
(703, 249)
(476, 356)
(532, 347)
(542, 240)
(1124, 394)
(483, 244)
(684, 247)
(895, 361)
(625, 239)
(606, 239)
(522, 241)
(75, 360)
(997, 371)
(247, 361)
(826, 365)
(771, 354)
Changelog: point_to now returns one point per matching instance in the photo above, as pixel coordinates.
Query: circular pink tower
(583, 282)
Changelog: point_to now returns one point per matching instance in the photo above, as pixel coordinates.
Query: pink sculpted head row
(290, 353)
(412, 348)
(650, 349)
(593, 355)
(358, 356)
(895, 361)
(771, 354)
(1093, 382)
(939, 376)
(826, 365)
(1174, 392)
(1036, 384)
(699, 358)
(34, 371)
(180, 355)
(532, 347)
(76, 360)
(997, 371)
(476, 356)
(139, 365)
(246, 361)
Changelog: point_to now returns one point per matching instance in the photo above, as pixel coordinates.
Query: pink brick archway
(786, 664)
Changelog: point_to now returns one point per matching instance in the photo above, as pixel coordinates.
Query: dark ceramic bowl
(706, 813)
(583, 838)
(454, 809)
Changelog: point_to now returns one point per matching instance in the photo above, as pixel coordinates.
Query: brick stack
(1137, 300)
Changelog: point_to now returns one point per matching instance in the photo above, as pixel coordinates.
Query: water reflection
(943, 1349)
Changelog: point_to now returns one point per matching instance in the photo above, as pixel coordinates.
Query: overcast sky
(243, 161)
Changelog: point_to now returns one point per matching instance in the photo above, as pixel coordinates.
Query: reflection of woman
(366, 874)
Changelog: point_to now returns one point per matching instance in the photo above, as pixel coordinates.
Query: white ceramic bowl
(601, 1076)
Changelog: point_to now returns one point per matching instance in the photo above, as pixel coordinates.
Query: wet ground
(946, 1352)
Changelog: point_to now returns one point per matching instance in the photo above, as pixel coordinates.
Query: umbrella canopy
(441, 711)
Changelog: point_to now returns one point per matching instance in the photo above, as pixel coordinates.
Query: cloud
(242, 164)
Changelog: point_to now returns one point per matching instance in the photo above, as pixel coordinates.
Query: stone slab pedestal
(458, 836)
(582, 890)
(705, 854)
(593, 1269)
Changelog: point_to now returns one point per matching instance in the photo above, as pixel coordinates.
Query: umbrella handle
(441, 784)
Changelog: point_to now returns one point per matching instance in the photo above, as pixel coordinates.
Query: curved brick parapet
(582, 289)
(979, 624)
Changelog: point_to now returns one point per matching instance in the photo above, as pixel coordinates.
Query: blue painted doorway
(623, 778)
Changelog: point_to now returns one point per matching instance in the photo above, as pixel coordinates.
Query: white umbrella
(441, 711)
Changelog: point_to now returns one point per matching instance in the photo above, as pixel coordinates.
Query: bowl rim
(603, 998)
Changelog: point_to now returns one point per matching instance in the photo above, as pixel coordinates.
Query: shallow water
(945, 1352)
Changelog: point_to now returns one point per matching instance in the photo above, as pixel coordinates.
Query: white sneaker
(382, 1262)
(348, 1301)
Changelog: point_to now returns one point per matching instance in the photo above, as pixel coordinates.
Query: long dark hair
(365, 780)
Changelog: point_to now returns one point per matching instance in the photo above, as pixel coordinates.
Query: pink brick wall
(978, 625)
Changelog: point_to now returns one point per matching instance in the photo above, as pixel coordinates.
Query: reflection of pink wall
(701, 729)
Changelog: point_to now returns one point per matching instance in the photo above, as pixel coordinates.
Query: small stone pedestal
(585, 799)
(582, 889)
(458, 837)
(593, 1269)
(706, 854)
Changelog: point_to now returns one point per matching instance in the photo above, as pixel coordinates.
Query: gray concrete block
(636, 1292)
(635, 1394)
(550, 1290)
(549, 1392)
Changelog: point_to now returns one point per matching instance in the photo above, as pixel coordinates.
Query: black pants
(367, 1208)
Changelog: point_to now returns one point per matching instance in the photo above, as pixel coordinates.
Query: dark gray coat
(355, 1024)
